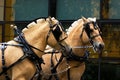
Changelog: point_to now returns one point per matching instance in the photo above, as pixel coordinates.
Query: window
(114, 9)
(29, 10)
(74, 9)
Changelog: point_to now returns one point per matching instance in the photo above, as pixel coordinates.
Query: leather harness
(71, 56)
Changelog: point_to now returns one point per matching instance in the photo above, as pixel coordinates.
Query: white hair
(73, 25)
(92, 19)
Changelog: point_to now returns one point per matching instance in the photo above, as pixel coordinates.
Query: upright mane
(92, 19)
(73, 25)
(34, 23)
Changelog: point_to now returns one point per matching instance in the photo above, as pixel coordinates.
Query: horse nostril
(101, 46)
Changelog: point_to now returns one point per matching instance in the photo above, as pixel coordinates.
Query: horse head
(58, 36)
(93, 33)
(49, 31)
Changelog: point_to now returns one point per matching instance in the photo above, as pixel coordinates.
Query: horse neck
(36, 37)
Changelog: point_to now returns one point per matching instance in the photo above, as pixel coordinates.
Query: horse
(83, 34)
(20, 58)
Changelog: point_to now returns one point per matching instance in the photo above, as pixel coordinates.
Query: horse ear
(50, 18)
(94, 18)
(53, 18)
(84, 19)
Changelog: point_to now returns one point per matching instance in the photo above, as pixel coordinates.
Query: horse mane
(34, 23)
(73, 25)
(92, 19)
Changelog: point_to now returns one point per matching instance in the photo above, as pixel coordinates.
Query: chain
(82, 47)
(64, 70)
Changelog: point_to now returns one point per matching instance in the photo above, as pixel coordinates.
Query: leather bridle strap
(54, 67)
(3, 47)
(92, 37)
(19, 60)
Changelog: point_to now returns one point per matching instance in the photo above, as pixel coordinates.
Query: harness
(53, 67)
(3, 47)
(71, 56)
(28, 52)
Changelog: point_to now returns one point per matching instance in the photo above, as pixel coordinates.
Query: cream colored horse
(34, 37)
(81, 34)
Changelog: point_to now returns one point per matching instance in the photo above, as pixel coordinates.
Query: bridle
(88, 31)
(57, 33)
(86, 28)
(71, 55)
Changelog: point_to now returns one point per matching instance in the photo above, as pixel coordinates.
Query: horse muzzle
(98, 47)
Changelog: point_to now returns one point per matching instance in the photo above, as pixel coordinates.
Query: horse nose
(101, 46)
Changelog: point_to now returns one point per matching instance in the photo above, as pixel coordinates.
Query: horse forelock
(73, 25)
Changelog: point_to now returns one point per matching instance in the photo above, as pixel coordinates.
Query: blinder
(61, 26)
(57, 32)
(89, 31)
(95, 25)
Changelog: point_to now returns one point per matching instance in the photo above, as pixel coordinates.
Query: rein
(69, 57)
(64, 70)
(82, 47)
(72, 56)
